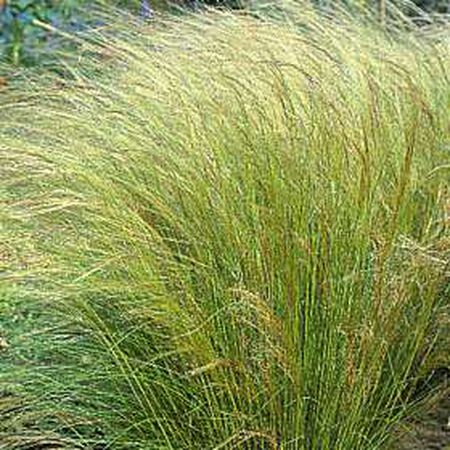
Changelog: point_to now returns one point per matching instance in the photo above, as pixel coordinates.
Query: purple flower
(146, 10)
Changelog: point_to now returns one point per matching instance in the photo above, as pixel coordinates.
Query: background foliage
(23, 39)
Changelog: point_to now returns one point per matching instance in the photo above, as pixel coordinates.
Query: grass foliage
(230, 230)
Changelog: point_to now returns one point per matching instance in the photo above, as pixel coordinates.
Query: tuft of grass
(231, 231)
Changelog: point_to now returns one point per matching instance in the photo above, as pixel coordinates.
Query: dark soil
(431, 430)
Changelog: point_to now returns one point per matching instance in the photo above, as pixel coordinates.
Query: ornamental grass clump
(233, 232)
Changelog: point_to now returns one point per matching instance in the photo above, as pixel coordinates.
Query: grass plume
(233, 230)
